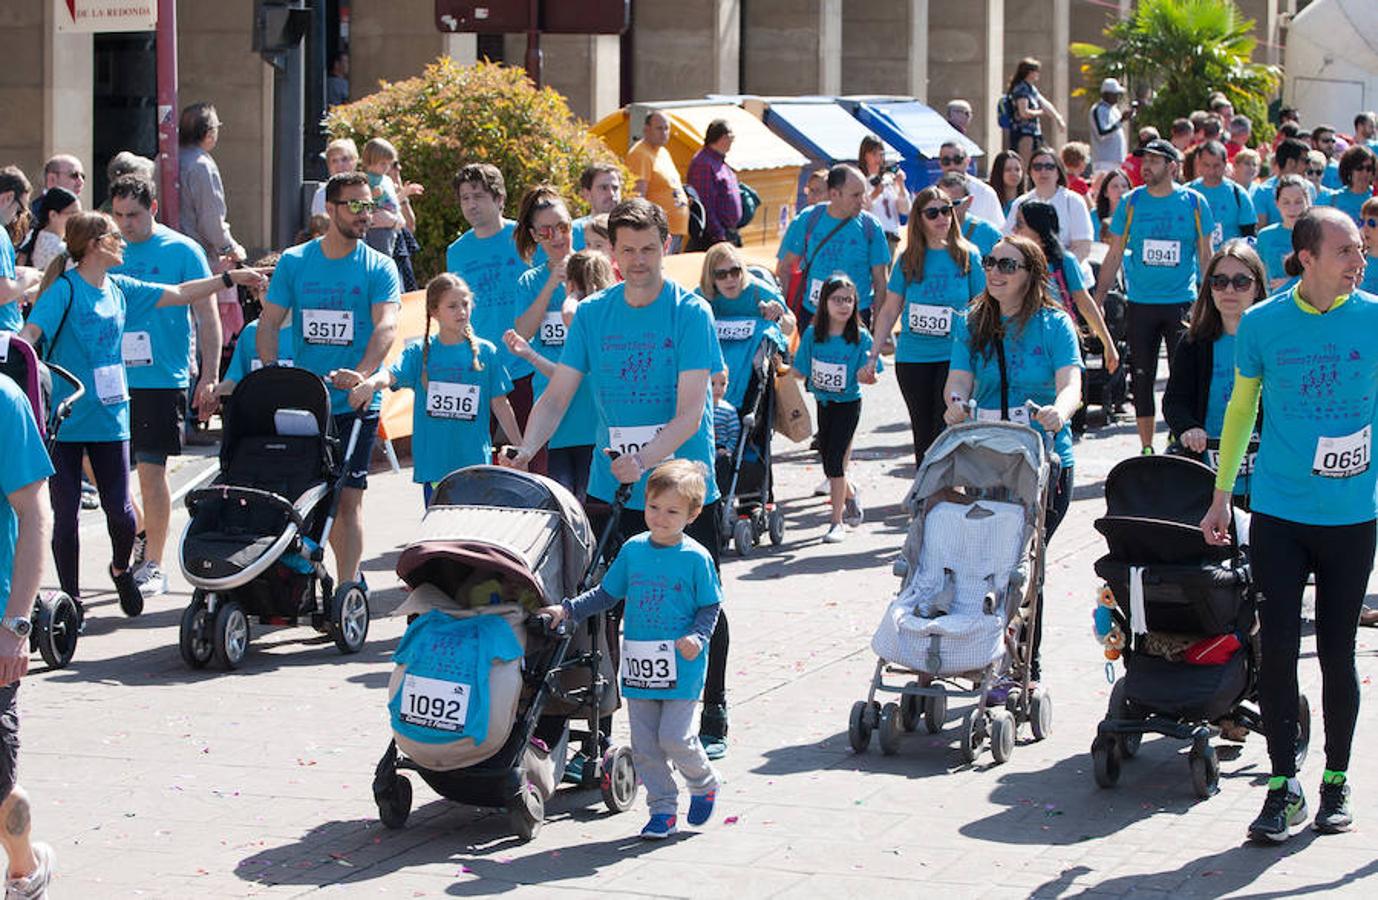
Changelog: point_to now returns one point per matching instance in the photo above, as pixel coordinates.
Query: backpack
(794, 297)
(751, 201)
(1129, 212)
(698, 216)
(1004, 112)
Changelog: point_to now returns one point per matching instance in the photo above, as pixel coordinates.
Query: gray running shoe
(35, 885)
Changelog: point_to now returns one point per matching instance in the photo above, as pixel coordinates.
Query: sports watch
(18, 625)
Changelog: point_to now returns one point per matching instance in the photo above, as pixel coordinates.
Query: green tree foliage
(1173, 54)
(451, 115)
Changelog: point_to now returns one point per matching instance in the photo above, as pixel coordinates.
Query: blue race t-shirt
(1231, 209)
(1370, 282)
(1320, 390)
(738, 339)
(1160, 259)
(11, 318)
(444, 692)
(829, 368)
(158, 343)
(663, 588)
(245, 357)
(87, 344)
(1264, 195)
(1070, 272)
(331, 303)
(1033, 354)
(981, 233)
(1273, 244)
(1222, 384)
(747, 304)
(1347, 201)
(577, 427)
(491, 268)
(1331, 176)
(929, 307)
(23, 460)
(858, 245)
(633, 358)
(450, 411)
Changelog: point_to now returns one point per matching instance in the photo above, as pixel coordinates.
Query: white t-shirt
(318, 202)
(1073, 217)
(1108, 149)
(985, 204)
(885, 206)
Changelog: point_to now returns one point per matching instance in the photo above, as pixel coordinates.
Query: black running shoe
(1283, 810)
(1334, 815)
(131, 600)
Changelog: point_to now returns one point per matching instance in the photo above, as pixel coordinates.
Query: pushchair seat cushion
(285, 465)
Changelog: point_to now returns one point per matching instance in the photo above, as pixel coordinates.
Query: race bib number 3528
(434, 703)
(829, 377)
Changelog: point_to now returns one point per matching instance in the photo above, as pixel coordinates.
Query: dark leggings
(1283, 554)
(570, 467)
(836, 427)
(1150, 324)
(922, 387)
(110, 464)
(1062, 499)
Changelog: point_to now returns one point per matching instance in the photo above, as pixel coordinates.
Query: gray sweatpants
(662, 734)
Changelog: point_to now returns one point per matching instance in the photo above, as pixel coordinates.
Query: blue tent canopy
(821, 130)
(918, 131)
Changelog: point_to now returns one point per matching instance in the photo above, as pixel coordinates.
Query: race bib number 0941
(1161, 253)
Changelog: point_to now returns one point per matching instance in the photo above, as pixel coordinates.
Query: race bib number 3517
(331, 327)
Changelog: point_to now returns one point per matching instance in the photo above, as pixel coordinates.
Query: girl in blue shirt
(1368, 230)
(834, 357)
(938, 275)
(457, 379)
(1275, 241)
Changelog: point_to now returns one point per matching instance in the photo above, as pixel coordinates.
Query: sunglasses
(1240, 282)
(358, 206)
(1368, 223)
(1006, 265)
(1315, 172)
(731, 272)
(78, 175)
(933, 213)
(546, 232)
(952, 160)
(1043, 167)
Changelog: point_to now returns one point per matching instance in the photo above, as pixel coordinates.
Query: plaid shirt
(716, 183)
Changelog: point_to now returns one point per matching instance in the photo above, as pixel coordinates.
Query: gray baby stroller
(972, 567)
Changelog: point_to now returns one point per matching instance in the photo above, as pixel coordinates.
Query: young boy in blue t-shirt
(672, 599)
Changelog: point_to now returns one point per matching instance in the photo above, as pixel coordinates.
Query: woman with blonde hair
(733, 292)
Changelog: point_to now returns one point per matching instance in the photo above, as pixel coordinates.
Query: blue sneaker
(659, 828)
(701, 807)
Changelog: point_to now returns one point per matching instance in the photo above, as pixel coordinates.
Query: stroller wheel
(889, 731)
(1119, 709)
(1040, 713)
(57, 625)
(1002, 729)
(973, 735)
(743, 536)
(619, 779)
(935, 712)
(1303, 729)
(909, 709)
(194, 637)
(526, 810)
(394, 805)
(1205, 771)
(1105, 758)
(858, 728)
(230, 635)
(775, 525)
(349, 617)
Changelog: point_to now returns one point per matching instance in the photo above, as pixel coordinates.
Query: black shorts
(836, 426)
(9, 737)
(363, 448)
(156, 417)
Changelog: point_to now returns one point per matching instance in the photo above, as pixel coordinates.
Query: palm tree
(1173, 54)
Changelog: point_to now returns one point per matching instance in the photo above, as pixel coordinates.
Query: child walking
(457, 379)
(832, 351)
(672, 597)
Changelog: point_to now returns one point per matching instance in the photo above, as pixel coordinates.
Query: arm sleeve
(591, 602)
(406, 372)
(385, 286)
(705, 620)
(577, 348)
(696, 345)
(1239, 426)
(896, 282)
(1117, 222)
(803, 357)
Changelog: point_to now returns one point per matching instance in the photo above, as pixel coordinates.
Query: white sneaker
(852, 512)
(825, 487)
(35, 885)
(836, 534)
(150, 580)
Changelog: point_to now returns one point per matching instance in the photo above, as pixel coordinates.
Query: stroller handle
(78, 390)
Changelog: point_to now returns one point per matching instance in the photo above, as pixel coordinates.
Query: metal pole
(533, 43)
(288, 144)
(168, 202)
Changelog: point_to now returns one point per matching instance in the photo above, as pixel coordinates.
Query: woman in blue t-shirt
(1368, 230)
(734, 293)
(1356, 173)
(1275, 242)
(1017, 346)
(80, 315)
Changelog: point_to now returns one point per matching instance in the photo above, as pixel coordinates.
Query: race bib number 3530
(434, 703)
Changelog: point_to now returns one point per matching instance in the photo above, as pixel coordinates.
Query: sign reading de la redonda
(106, 15)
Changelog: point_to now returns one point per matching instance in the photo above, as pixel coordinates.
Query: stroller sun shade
(1154, 508)
(254, 405)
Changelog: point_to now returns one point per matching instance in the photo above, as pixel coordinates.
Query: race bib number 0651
(1343, 457)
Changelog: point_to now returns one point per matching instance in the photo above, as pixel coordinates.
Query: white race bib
(650, 665)
(815, 291)
(332, 327)
(1343, 457)
(452, 400)
(933, 321)
(137, 349)
(1018, 414)
(631, 438)
(256, 364)
(434, 703)
(1161, 253)
(736, 329)
(1217, 236)
(1246, 466)
(111, 387)
(4, 346)
(829, 377)
(552, 332)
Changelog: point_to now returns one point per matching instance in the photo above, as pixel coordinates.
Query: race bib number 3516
(452, 400)
(434, 703)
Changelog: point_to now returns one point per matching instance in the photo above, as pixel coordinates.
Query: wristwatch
(19, 625)
(226, 279)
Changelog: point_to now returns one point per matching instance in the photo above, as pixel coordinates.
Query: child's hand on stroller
(689, 647)
(344, 379)
(556, 615)
(1216, 524)
(1194, 439)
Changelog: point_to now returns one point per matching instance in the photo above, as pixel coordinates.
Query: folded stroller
(255, 544)
(1186, 610)
(56, 620)
(972, 567)
(477, 669)
(752, 348)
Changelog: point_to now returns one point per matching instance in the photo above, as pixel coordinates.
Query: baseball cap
(1160, 147)
(1111, 86)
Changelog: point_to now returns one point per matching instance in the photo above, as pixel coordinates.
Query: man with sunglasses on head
(1161, 232)
(343, 297)
(952, 157)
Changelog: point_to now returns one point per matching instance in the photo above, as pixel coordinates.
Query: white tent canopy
(1332, 62)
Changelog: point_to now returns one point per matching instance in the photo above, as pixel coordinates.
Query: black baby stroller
(1100, 387)
(1187, 612)
(496, 546)
(255, 544)
(56, 620)
(752, 348)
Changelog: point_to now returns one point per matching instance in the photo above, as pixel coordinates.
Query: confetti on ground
(730, 820)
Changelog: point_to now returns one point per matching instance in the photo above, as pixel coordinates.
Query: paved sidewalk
(153, 780)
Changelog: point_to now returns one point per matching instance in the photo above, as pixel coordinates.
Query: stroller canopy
(1154, 506)
(253, 407)
(20, 362)
(985, 456)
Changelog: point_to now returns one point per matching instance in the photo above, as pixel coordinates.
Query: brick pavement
(152, 780)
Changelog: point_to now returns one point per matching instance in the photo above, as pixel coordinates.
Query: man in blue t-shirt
(837, 237)
(1161, 232)
(343, 297)
(1288, 159)
(156, 347)
(25, 530)
(647, 347)
(1231, 206)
